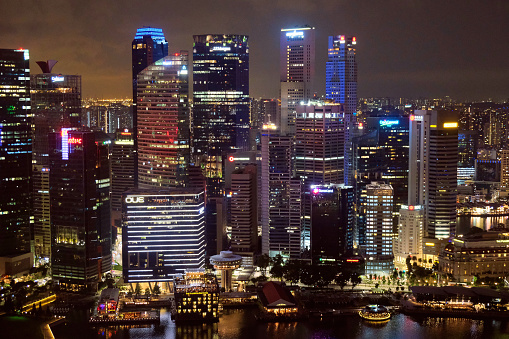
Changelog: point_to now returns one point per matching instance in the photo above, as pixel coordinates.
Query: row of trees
(137, 291)
(295, 271)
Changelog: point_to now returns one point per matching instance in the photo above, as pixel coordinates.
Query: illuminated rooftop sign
(389, 123)
(57, 78)
(221, 48)
(322, 190)
(295, 34)
(450, 125)
(416, 117)
(76, 141)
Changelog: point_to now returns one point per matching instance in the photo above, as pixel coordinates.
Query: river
(464, 223)
(240, 323)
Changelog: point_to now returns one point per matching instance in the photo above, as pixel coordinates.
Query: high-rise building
(163, 233)
(504, 173)
(341, 86)
(221, 103)
(80, 220)
(244, 210)
(15, 152)
(297, 73)
(148, 46)
(163, 123)
(280, 198)
(433, 163)
(379, 254)
(319, 143)
(332, 222)
(410, 233)
(56, 104)
(122, 172)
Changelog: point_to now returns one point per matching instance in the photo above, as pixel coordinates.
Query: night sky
(406, 48)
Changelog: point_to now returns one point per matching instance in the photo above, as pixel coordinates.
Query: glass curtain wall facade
(15, 152)
(163, 123)
(221, 103)
(163, 233)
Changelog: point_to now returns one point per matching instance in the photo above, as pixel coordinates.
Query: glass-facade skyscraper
(341, 86)
(56, 104)
(221, 103)
(15, 151)
(163, 123)
(148, 46)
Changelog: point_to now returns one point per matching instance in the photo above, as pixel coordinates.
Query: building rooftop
(274, 294)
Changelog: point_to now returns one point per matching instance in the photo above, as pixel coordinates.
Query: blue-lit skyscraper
(341, 86)
(149, 45)
(15, 151)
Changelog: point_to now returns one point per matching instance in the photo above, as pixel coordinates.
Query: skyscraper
(280, 198)
(56, 104)
(15, 151)
(332, 222)
(433, 163)
(221, 103)
(163, 233)
(297, 73)
(379, 254)
(504, 173)
(79, 196)
(341, 86)
(319, 143)
(122, 171)
(163, 123)
(148, 46)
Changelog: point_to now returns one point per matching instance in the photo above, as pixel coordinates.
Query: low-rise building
(196, 297)
(483, 254)
(108, 302)
(276, 299)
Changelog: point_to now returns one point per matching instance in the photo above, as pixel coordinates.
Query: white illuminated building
(297, 72)
(410, 232)
(379, 254)
(163, 233)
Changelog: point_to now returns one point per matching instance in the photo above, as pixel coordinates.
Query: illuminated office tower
(280, 198)
(433, 163)
(15, 152)
(319, 143)
(80, 209)
(122, 171)
(148, 46)
(341, 86)
(379, 255)
(56, 104)
(504, 175)
(332, 222)
(221, 103)
(163, 123)
(163, 233)
(410, 233)
(297, 73)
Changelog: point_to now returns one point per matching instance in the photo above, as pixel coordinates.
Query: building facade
(15, 152)
(297, 73)
(379, 234)
(410, 233)
(221, 103)
(332, 222)
(80, 209)
(163, 123)
(163, 233)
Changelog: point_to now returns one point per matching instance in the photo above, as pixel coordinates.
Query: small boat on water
(375, 313)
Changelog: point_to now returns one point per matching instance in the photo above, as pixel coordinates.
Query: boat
(375, 313)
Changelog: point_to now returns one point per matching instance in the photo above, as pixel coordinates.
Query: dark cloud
(405, 47)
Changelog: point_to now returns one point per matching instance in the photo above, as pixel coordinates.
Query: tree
(129, 294)
(356, 280)
(307, 276)
(263, 261)
(291, 271)
(147, 291)
(137, 289)
(326, 274)
(157, 290)
(277, 270)
(395, 274)
(414, 258)
(342, 279)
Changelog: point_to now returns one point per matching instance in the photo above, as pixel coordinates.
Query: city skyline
(408, 50)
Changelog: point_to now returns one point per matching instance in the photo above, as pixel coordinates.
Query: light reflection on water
(464, 223)
(241, 323)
